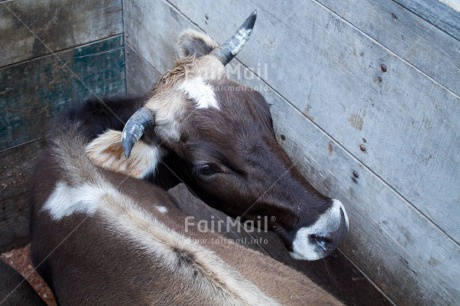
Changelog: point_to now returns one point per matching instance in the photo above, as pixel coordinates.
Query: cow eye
(207, 169)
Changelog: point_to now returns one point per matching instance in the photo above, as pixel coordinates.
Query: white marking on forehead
(161, 209)
(200, 92)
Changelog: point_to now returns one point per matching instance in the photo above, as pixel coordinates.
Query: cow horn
(226, 52)
(134, 128)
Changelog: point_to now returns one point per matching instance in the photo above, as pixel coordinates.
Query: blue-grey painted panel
(29, 28)
(32, 92)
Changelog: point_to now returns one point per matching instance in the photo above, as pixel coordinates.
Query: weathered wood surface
(409, 36)
(150, 37)
(442, 13)
(14, 222)
(31, 93)
(15, 168)
(324, 78)
(334, 273)
(332, 72)
(60, 24)
(140, 75)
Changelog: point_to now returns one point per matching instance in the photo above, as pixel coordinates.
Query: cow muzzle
(322, 237)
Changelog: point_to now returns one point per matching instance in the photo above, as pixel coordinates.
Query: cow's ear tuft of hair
(191, 42)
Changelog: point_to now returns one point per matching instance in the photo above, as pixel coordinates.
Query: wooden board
(140, 75)
(29, 29)
(439, 13)
(318, 58)
(33, 91)
(148, 36)
(14, 222)
(16, 165)
(330, 71)
(407, 35)
(31, 94)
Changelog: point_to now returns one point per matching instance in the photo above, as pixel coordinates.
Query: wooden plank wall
(53, 53)
(364, 87)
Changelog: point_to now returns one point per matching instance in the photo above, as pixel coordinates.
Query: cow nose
(323, 241)
(323, 236)
(329, 240)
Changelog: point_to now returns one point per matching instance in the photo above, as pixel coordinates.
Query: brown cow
(217, 136)
(104, 238)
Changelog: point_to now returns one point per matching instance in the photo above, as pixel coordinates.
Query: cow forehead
(221, 95)
(200, 92)
(224, 108)
(194, 85)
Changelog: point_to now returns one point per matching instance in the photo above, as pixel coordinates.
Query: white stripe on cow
(200, 92)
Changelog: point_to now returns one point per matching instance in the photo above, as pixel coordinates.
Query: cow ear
(106, 151)
(191, 42)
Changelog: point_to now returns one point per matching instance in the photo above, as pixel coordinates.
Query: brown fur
(191, 42)
(15, 290)
(127, 252)
(106, 151)
(205, 121)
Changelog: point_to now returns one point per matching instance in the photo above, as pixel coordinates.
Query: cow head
(221, 132)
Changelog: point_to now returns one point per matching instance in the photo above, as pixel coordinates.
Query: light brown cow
(217, 136)
(100, 237)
